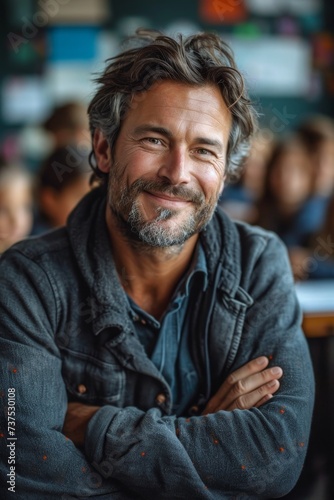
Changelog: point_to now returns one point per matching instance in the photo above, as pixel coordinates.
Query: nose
(175, 167)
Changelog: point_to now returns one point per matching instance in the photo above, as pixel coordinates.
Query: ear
(102, 151)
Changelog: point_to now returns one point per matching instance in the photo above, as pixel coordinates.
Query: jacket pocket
(92, 380)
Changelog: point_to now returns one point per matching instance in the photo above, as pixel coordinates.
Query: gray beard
(151, 236)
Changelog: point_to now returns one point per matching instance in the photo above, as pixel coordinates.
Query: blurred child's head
(253, 175)
(62, 181)
(16, 204)
(68, 124)
(288, 181)
(318, 135)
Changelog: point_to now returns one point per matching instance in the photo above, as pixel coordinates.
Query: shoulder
(245, 239)
(246, 253)
(53, 245)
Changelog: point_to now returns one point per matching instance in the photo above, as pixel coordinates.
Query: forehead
(180, 105)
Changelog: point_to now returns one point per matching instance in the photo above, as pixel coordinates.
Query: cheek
(211, 182)
(26, 221)
(137, 165)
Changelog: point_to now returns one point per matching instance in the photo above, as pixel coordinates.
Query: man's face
(168, 163)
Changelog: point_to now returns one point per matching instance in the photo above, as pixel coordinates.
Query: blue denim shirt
(66, 335)
(167, 342)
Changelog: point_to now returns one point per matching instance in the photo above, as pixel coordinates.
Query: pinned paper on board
(24, 100)
(73, 44)
(222, 11)
(69, 80)
(268, 70)
(75, 12)
(277, 7)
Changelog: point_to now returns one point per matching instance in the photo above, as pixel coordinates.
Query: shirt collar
(198, 271)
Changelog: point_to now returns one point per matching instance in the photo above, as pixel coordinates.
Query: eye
(203, 152)
(152, 140)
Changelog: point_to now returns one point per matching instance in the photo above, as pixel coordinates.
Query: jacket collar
(221, 242)
(88, 234)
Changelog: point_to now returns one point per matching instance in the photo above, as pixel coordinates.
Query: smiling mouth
(164, 198)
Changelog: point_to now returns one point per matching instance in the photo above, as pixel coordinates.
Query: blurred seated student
(316, 262)
(16, 204)
(68, 124)
(239, 199)
(286, 206)
(62, 181)
(317, 133)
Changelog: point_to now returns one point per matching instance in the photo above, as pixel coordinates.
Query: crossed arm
(137, 454)
(250, 386)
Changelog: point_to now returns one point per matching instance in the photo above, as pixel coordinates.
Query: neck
(149, 275)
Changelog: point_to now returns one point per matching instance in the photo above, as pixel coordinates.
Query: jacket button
(160, 399)
(82, 389)
(194, 410)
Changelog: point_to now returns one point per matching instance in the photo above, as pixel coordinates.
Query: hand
(76, 420)
(249, 386)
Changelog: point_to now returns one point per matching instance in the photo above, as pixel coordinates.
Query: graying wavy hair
(194, 60)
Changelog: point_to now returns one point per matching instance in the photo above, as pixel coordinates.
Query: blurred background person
(317, 132)
(316, 261)
(239, 200)
(16, 204)
(68, 124)
(286, 206)
(62, 181)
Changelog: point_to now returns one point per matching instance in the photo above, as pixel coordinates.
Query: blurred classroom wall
(52, 49)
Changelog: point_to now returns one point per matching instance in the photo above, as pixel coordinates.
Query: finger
(263, 400)
(254, 366)
(254, 398)
(241, 388)
(250, 384)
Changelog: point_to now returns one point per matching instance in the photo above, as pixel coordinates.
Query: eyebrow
(167, 133)
(152, 128)
(210, 142)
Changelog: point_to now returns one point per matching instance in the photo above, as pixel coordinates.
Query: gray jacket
(66, 334)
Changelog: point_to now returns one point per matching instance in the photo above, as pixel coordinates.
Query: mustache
(165, 187)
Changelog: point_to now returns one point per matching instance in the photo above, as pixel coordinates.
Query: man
(138, 338)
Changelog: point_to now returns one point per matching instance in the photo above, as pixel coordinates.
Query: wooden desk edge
(318, 324)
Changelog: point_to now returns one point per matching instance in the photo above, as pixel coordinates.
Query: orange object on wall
(222, 11)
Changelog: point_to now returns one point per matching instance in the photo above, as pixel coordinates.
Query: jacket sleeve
(256, 453)
(35, 456)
